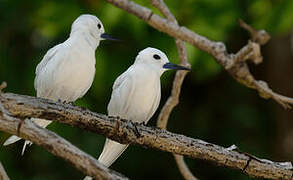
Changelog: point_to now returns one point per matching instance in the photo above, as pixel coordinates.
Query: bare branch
(126, 132)
(160, 4)
(237, 68)
(56, 145)
(3, 174)
(260, 36)
(173, 100)
(183, 167)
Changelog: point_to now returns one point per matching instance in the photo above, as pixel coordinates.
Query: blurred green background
(213, 106)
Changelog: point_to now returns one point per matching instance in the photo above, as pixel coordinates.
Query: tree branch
(237, 68)
(56, 145)
(173, 99)
(123, 131)
(183, 168)
(3, 174)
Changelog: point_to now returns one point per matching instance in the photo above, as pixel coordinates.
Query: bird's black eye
(156, 56)
(99, 26)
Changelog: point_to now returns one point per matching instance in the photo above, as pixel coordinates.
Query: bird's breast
(143, 100)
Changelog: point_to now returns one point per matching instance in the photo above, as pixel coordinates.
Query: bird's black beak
(175, 66)
(106, 36)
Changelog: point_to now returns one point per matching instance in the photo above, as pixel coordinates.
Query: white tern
(136, 95)
(67, 70)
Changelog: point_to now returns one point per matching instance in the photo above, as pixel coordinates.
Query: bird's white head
(91, 27)
(157, 60)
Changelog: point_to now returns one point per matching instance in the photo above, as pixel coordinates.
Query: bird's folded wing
(123, 89)
(48, 56)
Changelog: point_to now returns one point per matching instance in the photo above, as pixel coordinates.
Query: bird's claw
(136, 132)
(71, 103)
(68, 102)
(114, 117)
(143, 123)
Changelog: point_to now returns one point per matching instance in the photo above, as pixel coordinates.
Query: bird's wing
(118, 105)
(121, 104)
(121, 92)
(120, 80)
(155, 104)
(48, 56)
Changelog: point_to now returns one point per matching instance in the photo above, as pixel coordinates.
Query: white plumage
(67, 70)
(136, 95)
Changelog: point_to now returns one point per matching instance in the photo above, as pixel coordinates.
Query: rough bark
(55, 144)
(123, 131)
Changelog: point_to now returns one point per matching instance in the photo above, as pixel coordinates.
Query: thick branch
(124, 131)
(56, 145)
(237, 68)
(3, 174)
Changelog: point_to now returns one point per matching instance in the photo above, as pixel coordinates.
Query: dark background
(213, 106)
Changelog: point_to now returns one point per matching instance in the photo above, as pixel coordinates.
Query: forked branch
(235, 64)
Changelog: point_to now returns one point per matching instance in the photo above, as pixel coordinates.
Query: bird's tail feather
(88, 178)
(112, 150)
(24, 145)
(12, 139)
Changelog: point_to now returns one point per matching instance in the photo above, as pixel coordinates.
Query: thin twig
(183, 168)
(173, 99)
(3, 174)
(260, 36)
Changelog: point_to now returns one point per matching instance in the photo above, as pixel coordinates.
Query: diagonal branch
(3, 174)
(56, 145)
(183, 168)
(123, 131)
(173, 100)
(237, 68)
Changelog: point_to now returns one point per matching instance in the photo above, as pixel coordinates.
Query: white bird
(67, 70)
(136, 95)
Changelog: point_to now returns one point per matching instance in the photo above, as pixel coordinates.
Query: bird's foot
(114, 117)
(143, 123)
(70, 103)
(136, 132)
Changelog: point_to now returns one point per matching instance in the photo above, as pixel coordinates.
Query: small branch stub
(2, 86)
